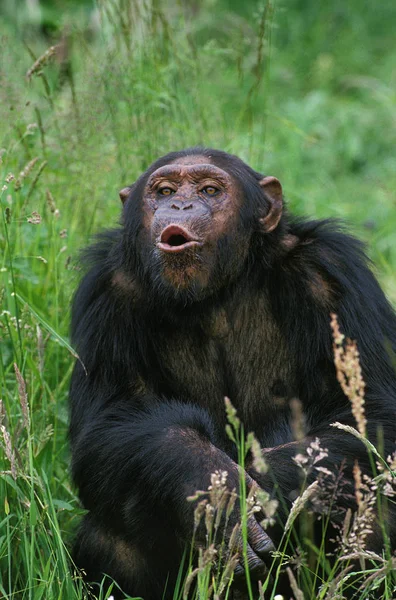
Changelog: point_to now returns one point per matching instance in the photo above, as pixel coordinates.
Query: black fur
(147, 410)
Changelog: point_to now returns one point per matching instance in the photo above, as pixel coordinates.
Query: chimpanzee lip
(175, 238)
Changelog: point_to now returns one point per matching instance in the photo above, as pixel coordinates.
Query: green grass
(301, 90)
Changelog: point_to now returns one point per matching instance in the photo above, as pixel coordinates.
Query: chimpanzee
(210, 289)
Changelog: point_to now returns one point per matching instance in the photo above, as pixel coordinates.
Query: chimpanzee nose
(179, 205)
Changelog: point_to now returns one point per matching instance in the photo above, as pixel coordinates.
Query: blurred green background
(90, 94)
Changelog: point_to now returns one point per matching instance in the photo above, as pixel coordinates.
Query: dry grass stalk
(261, 591)
(357, 476)
(2, 411)
(198, 512)
(354, 536)
(386, 479)
(268, 506)
(27, 169)
(298, 594)
(232, 418)
(34, 182)
(314, 453)
(51, 203)
(40, 348)
(9, 452)
(379, 574)
(207, 557)
(259, 462)
(299, 504)
(251, 501)
(298, 421)
(188, 583)
(334, 590)
(349, 373)
(218, 557)
(35, 218)
(41, 61)
(23, 397)
(234, 537)
(231, 503)
(228, 572)
(41, 128)
(209, 518)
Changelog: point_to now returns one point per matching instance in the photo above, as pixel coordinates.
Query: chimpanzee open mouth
(176, 239)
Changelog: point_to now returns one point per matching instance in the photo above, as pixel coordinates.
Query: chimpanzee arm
(339, 449)
(326, 272)
(336, 492)
(135, 456)
(136, 462)
(130, 461)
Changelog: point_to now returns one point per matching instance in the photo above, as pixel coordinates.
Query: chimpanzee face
(196, 222)
(190, 210)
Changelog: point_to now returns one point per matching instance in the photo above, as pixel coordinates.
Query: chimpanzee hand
(226, 528)
(259, 547)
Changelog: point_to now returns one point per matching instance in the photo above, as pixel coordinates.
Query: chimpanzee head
(190, 218)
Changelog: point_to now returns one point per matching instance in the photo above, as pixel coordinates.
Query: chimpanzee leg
(138, 569)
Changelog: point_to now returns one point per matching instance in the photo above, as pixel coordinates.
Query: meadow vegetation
(90, 94)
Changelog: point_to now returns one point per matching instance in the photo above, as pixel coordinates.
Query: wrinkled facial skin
(191, 215)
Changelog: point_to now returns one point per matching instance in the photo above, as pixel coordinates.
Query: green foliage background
(300, 89)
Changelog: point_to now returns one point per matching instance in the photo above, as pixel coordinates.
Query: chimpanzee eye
(166, 191)
(210, 190)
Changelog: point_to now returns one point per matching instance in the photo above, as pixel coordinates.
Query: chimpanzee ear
(273, 192)
(124, 193)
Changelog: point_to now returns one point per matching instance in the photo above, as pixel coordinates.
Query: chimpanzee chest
(237, 352)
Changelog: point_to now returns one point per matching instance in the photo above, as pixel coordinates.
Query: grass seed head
(41, 61)
(259, 462)
(23, 397)
(27, 169)
(349, 373)
(298, 594)
(314, 453)
(299, 504)
(231, 413)
(34, 219)
(199, 512)
(9, 452)
(356, 530)
(298, 421)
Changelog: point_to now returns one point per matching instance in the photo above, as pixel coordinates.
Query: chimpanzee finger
(256, 566)
(258, 539)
